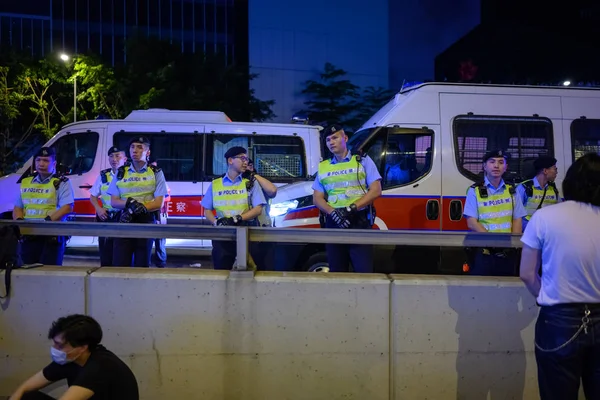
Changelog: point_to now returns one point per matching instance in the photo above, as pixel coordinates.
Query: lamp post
(65, 58)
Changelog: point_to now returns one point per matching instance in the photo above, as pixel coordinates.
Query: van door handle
(85, 187)
(433, 210)
(456, 210)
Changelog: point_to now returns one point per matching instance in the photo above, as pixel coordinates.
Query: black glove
(340, 217)
(135, 206)
(225, 221)
(47, 218)
(126, 216)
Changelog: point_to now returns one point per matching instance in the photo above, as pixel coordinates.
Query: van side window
(177, 155)
(403, 157)
(585, 137)
(76, 152)
(279, 158)
(523, 138)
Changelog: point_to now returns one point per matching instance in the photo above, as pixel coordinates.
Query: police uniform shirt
(471, 209)
(64, 193)
(371, 172)
(161, 183)
(95, 190)
(536, 184)
(256, 194)
(567, 236)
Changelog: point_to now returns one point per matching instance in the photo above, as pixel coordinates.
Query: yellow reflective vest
(344, 182)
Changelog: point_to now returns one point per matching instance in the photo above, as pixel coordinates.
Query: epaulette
(121, 172)
(483, 192)
(104, 175)
(553, 186)
(58, 180)
(528, 185)
(27, 174)
(511, 189)
(155, 169)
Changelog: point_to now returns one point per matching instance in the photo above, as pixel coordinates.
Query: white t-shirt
(568, 235)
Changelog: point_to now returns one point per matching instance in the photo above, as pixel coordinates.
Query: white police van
(189, 147)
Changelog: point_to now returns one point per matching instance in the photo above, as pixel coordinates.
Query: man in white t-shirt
(565, 241)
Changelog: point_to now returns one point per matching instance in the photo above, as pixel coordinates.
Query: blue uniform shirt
(161, 183)
(64, 194)
(258, 198)
(371, 172)
(521, 195)
(471, 209)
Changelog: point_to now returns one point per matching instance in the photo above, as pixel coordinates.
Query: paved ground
(91, 259)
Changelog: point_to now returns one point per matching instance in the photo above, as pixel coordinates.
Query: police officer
(344, 189)
(540, 191)
(492, 206)
(105, 212)
(45, 196)
(139, 191)
(263, 251)
(228, 196)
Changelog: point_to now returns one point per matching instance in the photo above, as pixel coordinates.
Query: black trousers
(134, 252)
(339, 256)
(47, 250)
(494, 262)
(105, 244)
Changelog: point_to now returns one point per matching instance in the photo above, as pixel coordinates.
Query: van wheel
(316, 263)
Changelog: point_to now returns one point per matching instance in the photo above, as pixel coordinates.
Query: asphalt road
(89, 259)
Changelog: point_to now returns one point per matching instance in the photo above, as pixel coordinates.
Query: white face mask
(58, 356)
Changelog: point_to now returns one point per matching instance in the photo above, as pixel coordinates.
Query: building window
(523, 138)
(585, 137)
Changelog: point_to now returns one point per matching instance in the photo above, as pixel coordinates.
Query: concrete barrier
(208, 334)
(463, 338)
(39, 296)
(200, 334)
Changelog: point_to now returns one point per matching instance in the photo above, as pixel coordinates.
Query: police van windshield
(357, 139)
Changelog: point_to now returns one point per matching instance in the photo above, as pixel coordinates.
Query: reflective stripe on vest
(229, 201)
(39, 199)
(496, 211)
(139, 185)
(105, 197)
(533, 202)
(344, 182)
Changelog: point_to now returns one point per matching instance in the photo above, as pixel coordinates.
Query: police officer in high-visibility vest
(100, 199)
(344, 189)
(139, 191)
(45, 196)
(492, 206)
(540, 191)
(228, 197)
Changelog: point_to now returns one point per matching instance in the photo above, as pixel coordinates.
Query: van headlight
(279, 209)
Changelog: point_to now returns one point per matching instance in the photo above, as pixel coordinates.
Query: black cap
(331, 129)
(45, 152)
(113, 149)
(234, 151)
(544, 162)
(139, 139)
(495, 154)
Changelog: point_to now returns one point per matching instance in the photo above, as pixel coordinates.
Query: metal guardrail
(243, 235)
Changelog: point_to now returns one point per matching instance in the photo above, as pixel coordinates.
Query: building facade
(103, 26)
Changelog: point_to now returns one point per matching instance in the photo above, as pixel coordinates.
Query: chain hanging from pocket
(585, 320)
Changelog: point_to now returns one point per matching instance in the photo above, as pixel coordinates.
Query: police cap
(113, 149)
(45, 152)
(331, 129)
(234, 151)
(140, 139)
(495, 154)
(544, 162)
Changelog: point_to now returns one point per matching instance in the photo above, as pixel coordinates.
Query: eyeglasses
(242, 158)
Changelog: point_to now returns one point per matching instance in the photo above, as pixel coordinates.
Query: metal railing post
(241, 263)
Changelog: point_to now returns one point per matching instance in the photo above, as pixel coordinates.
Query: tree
(372, 99)
(331, 99)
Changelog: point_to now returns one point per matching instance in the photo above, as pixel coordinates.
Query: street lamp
(65, 58)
